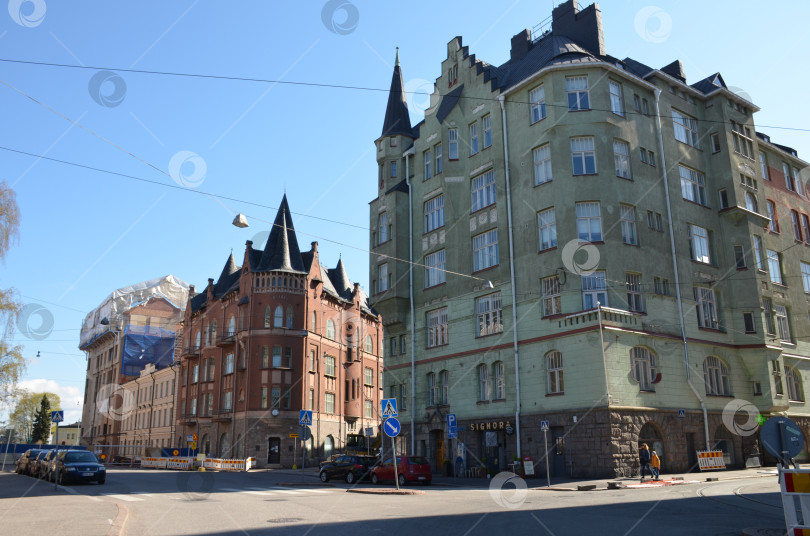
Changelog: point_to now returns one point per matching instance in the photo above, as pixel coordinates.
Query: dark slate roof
(401, 186)
(551, 50)
(675, 70)
(281, 252)
(228, 278)
(340, 280)
(636, 67)
(397, 119)
(449, 102)
(710, 83)
(197, 302)
(244, 300)
(307, 257)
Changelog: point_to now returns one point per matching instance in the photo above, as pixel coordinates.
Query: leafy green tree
(12, 362)
(42, 422)
(25, 410)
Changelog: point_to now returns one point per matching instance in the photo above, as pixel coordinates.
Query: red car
(409, 469)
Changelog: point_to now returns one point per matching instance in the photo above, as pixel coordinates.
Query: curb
(391, 491)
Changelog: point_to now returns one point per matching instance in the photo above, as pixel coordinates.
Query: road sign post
(544, 428)
(57, 417)
(392, 428)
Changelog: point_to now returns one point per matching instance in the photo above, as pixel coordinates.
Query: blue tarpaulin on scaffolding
(144, 345)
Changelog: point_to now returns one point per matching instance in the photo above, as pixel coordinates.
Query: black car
(23, 466)
(77, 466)
(350, 467)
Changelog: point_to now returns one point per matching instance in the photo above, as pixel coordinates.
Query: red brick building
(276, 335)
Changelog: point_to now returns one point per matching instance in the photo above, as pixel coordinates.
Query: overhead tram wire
(334, 86)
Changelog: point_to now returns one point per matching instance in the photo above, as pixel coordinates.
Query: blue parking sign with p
(451, 420)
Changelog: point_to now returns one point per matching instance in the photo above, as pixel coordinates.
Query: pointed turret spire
(397, 120)
(281, 251)
(340, 280)
(226, 278)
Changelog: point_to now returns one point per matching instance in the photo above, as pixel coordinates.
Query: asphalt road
(141, 502)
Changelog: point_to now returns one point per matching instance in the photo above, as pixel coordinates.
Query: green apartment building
(592, 242)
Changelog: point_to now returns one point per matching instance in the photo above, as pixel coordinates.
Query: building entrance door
(274, 450)
(440, 449)
(557, 449)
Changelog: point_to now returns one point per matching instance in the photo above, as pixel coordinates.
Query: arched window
(330, 329)
(432, 389)
(715, 375)
(554, 370)
(290, 316)
(231, 326)
(278, 317)
(313, 327)
(444, 391)
(793, 379)
(268, 317)
(483, 383)
(368, 347)
(644, 368)
(751, 202)
(500, 380)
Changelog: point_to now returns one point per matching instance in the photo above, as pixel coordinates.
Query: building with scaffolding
(131, 371)
(600, 254)
(279, 334)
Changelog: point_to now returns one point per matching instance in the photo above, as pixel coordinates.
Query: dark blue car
(78, 466)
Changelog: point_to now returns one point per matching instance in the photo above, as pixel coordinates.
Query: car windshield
(416, 460)
(73, 457)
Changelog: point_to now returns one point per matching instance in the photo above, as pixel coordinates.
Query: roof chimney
(521, 43)
(582, 27)
(314, 246)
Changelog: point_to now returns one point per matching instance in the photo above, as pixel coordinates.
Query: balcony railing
(228, 337)
(222, 414)
(188, 417)
(191, 351)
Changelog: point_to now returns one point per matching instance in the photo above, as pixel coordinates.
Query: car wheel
(350, 478)
(401, 480)
(324, 476)
(375, 479)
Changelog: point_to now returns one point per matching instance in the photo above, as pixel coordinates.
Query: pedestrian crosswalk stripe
(122, 497)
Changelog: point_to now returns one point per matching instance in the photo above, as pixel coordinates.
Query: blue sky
(85, 233)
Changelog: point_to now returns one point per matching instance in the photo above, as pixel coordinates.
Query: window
(452, 142)
(773, 226)
(589, 222)
(645, 107)
(628, 220)
(500, 380)
(739, 256)
(594, 290)
(577, 89)
(228, 364)
(797, 179)
(806, 228)
(547, 229)
(644, 367)
(330, 329)
(485, 250)
(483, 191)
(329, 403)
(276, 356)
(777, 376)
(383, 228)
(473, 138)
(751, 202)
(435, 273)
(537, 98)
(264, 397)
(428, 162)
(693, 185)
(403, 393)
(616, 103)
(554, 370)
(437, 322)
(635, 302)
(793, 378)
(393, 170)
(706, 308)
(382, 277)
(195, 374)
(552, 304)
(743, 144)
(583, 156)
(278, 317)
(329, 365)
(432, 389)
(643, 154)
(805, 275)
(767, 307)
(368, 377)
(748, 323)
(368, 345)
(542, 164)
(368, 409)
(287, 362)
(621, 157)
(290, 317)
(312, 361)
(686, 130)
(444, 388)
(636, 103)
(763, 165)
(402, 344)
(790, 184)
(797, 229)
(758, 253)
(698, 244)
(715, 376)
(434, 213)
(488, 309)
(393, 346)
(782, 324)
(483, 383)
(275, 397)
(774, 266)
(486, 125)
(715, 143)
(722, 195)
(437, 150)
(651, 158)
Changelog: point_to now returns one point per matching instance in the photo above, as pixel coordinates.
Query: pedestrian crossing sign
(305, 417)
(389, 408)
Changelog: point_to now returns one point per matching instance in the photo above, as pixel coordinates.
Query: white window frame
(589, 221)
(434, 213)
(751, 202)
(474, 138)
(743, 143)
(537, 98)
(382, 277)
(484, 385)
(482, 191)
(552, 300)
(686, 128)
(644, 367)
(627, 213)
(774, 266)
(715, 377)
(436, 322)
(329, 365)
(594, 289)
(330, 329)
(763, 166)
(805, 269)
(635, 296)
(793, 379)
(583, 153)
(486, 127)
(706, 305)
(576, 87)
(432, 389)
(485, 250)
(790, 184)
(547, 229)
(699, 249)
(435, 269)
(383, 228)
(542, 164)
(693, 185)
(758, 259)
(489, 311)
(452, 144)
(555, 381)
(621, 159)
(329, 403)
(428, 158)
(444, 388)
(782, 323)
(499, 372)
(437, 153)
(616, 99)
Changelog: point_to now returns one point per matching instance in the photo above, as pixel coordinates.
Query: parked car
(77, 466)
(33, 468)
(23, 466)
(350, 467)
(44, 467)
(409, 469)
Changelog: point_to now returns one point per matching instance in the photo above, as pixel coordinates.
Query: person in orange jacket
(655, 465)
